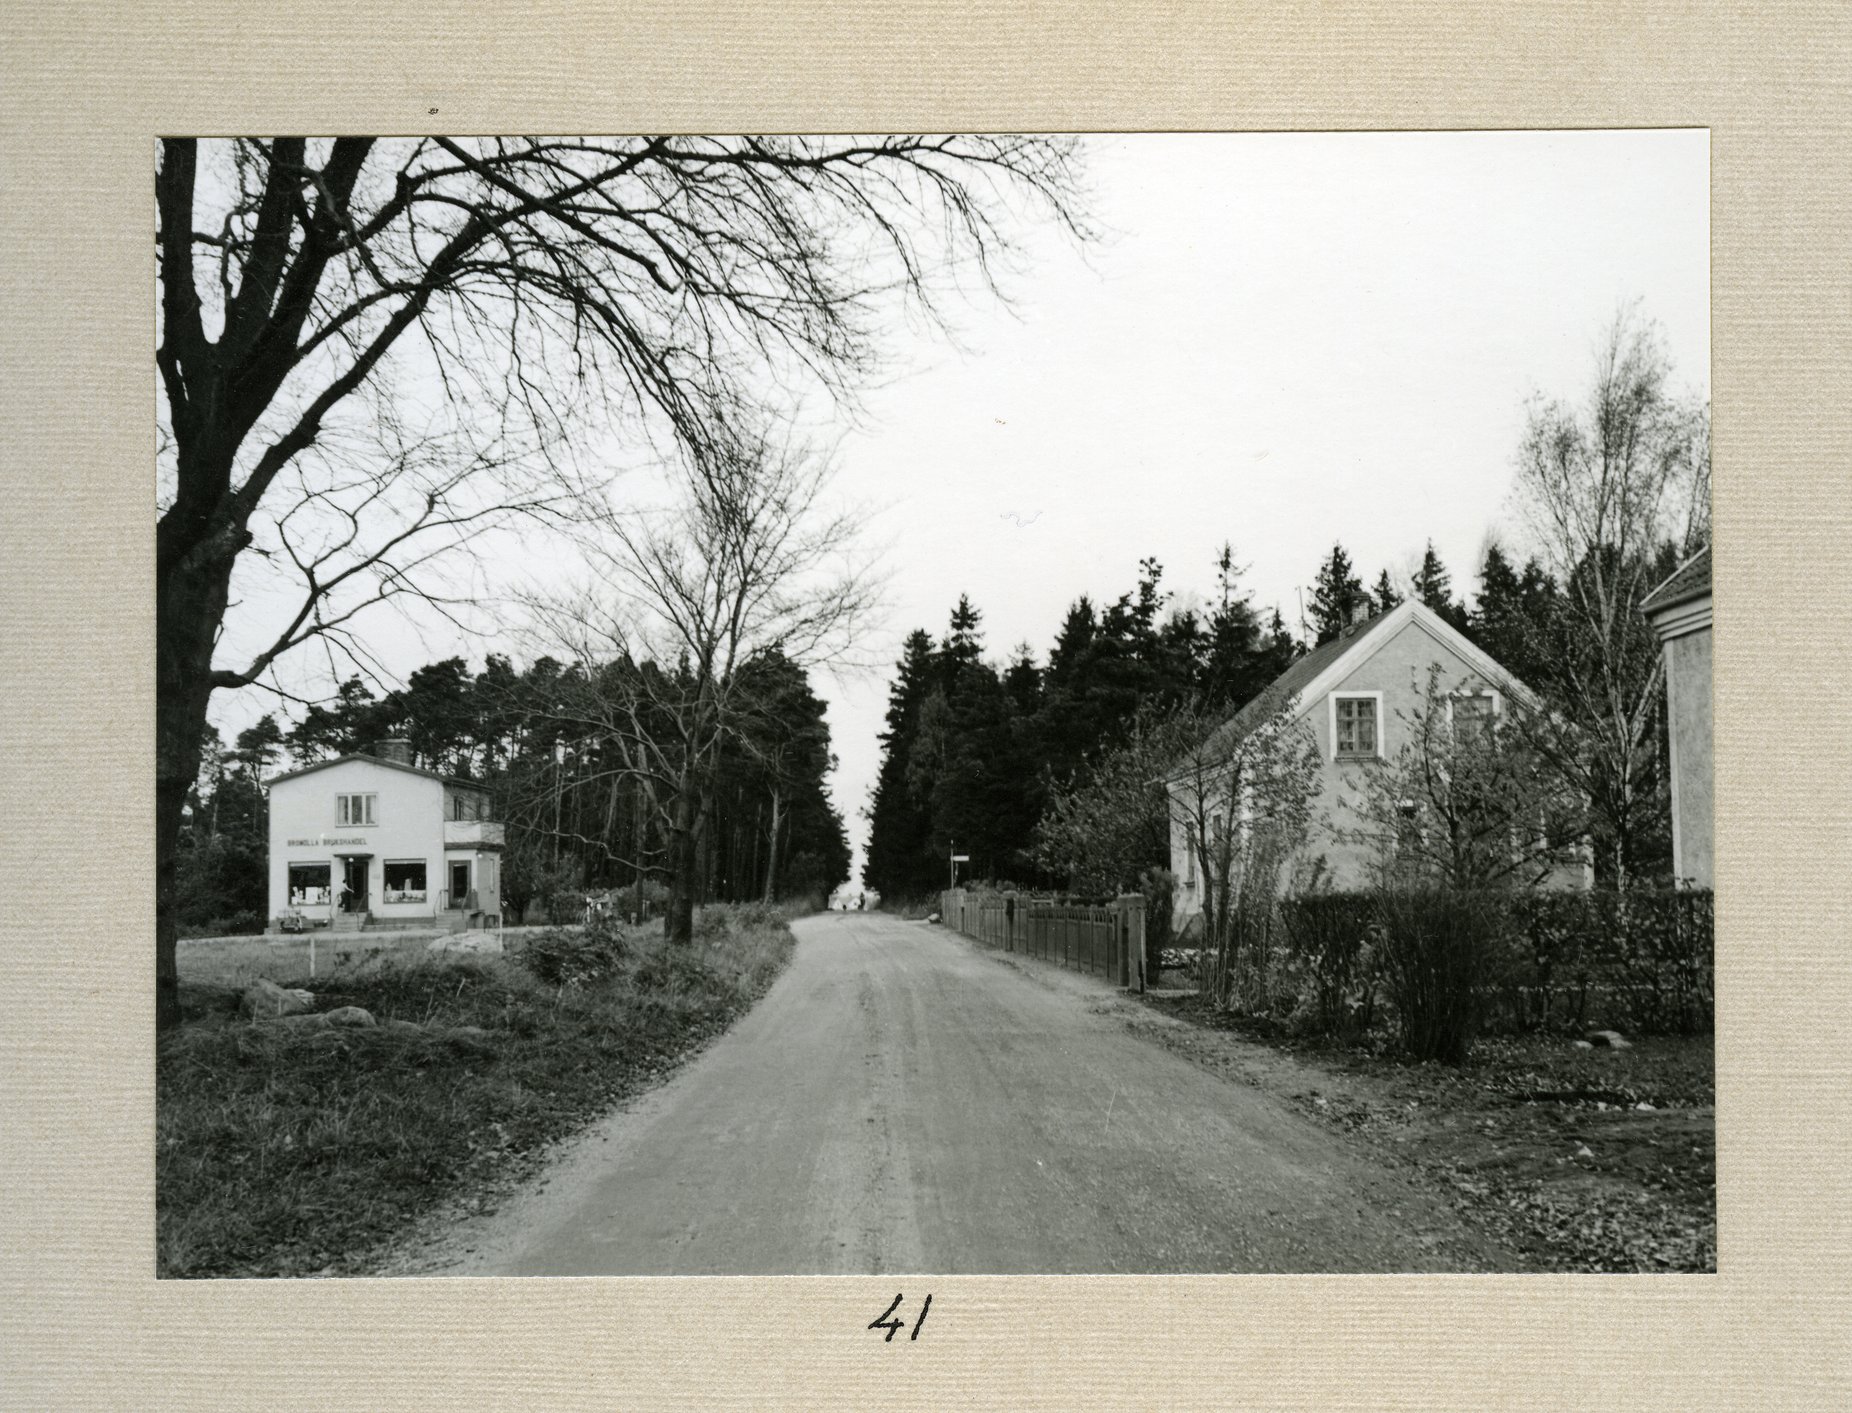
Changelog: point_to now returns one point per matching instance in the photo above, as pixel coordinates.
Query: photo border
(83, 1322)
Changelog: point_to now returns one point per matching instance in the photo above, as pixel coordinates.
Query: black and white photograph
(1017, 704)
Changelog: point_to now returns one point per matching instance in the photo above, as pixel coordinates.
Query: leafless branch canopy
(682, 287)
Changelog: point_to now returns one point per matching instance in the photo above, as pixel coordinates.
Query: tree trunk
(771, 862)
(190, 599)
(678, 918)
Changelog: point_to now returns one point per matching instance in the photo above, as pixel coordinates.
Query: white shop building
(375, 840)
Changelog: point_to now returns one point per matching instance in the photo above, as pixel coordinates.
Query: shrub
(1440, 952)
(674, 968)
(573, 956)
(1641, 960)
(1328, 959)
(1658, 958)
(745, 916)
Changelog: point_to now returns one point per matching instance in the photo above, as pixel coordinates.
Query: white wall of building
(1394, 671)
(408, 824)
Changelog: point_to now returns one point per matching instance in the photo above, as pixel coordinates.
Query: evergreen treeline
(971, 749)
(578, 814)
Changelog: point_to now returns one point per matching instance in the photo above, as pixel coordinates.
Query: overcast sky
(1284, 341)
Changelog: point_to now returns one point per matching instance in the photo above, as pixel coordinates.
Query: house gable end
(1339, 675)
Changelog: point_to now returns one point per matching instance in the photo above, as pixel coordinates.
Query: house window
(1355, 726)
(405, 881)
(487, 871)
(309, 884)
(355, 809)
(1473, 715)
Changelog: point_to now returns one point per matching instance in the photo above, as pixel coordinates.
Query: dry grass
(280, 1152)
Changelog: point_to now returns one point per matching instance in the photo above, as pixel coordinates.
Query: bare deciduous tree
(370, 350)
(1244, 807)
(681, 601)
(1616, 491)
(1466, 802)
(1103, 830)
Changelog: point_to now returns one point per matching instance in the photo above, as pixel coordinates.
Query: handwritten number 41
(884, 1321)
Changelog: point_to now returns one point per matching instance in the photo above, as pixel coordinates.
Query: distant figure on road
(860, 899)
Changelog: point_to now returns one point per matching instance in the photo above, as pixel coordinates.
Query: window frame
(343, 811)
(1491, 693)
(1337, 753)
(423, 894)
(289, 886)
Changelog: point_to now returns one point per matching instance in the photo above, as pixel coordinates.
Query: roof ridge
(313, 766)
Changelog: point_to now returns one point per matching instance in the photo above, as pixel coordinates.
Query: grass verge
(283, 1153)
(1574, 1159)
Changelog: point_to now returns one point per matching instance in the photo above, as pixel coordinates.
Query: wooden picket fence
(1104, 940)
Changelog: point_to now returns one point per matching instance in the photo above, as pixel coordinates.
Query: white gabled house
(1356, 692)
(373, 840)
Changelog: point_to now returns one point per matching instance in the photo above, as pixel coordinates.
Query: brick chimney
(395, 749)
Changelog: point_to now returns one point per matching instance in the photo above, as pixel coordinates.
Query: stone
(349, 1015)
(1585, 1045)
(401, 1027)
(466, 944)
(1608, 1039)
(263, 999)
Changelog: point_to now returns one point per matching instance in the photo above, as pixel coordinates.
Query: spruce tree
(1434, 587)
(1278, 650)
(964, 641)
(900, 861)
(1335, 593)
(1514, 616)
(1385, 594)
(1233, 639)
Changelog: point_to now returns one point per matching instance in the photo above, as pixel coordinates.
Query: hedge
(1443, 965)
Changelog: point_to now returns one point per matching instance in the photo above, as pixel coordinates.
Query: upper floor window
(1355, 726)
(1474, 714)
(355, 809)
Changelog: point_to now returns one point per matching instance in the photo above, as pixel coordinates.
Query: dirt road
(902, 1100)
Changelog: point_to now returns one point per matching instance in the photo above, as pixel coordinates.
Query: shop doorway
(355, 891)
